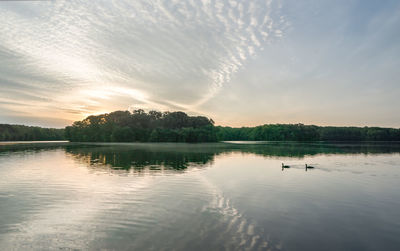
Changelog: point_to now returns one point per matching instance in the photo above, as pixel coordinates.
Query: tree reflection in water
(156, 157)
(153, 157)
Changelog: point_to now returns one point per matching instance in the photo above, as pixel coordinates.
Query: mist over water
(220, 196)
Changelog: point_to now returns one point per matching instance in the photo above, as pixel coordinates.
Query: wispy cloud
(85, 57)
(240, 62)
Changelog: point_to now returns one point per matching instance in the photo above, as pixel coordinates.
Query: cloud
(159, 53)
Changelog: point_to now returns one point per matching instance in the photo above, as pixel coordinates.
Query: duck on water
(309, 167)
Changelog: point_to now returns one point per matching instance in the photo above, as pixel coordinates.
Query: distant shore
(154, 126)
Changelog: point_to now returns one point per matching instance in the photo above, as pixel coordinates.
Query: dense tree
(300, 132)
(154, 126)
(24, 133)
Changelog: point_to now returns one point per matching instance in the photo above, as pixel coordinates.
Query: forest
(24, 133)
(300, 132)
(141, 126)
(155, 126)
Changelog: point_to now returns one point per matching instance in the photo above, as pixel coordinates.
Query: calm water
(199, 196)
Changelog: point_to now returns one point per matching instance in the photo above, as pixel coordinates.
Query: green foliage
(27, 133)
(300, 132)
(154, 126)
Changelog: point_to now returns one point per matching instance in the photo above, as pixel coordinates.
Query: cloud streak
(87, 56)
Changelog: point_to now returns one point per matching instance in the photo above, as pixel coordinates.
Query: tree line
(300, 132)
(141, 126)
(26, 133)
(155, 126)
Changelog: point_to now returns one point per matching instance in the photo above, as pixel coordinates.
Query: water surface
(219, 196)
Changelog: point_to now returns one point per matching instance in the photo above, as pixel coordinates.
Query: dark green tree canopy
(27, 133)
(155, 126)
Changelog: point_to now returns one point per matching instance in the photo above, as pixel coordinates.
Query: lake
(222, 196)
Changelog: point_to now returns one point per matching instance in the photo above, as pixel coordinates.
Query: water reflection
(177, 156)
(153, 157)
(62, 196)
(126, 157)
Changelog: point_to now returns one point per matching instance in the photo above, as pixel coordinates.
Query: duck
(309, 166)
(284, 166)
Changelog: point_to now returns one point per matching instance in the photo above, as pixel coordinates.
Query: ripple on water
(51, 200)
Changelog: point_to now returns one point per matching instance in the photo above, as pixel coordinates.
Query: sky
(242, 63)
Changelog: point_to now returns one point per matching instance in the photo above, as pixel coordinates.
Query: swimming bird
(284, 166)
(309, 166)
